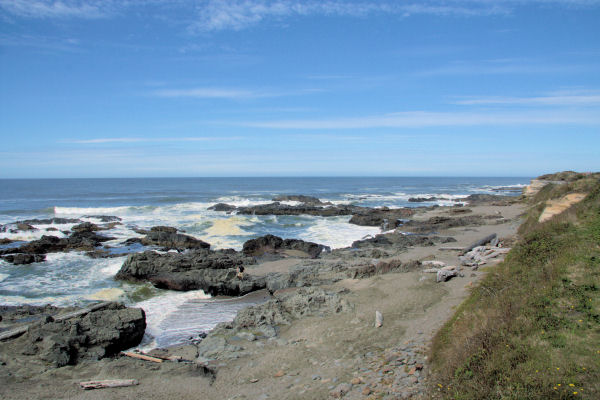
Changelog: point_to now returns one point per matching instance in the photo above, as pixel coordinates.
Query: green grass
(531, 329)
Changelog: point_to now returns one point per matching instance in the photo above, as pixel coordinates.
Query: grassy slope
(531, 329)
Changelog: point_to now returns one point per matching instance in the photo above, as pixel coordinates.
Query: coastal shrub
(531, 328)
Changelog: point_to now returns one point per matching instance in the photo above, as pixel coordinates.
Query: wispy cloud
(558, 99)
(57, 9)
(503, 67)
(151, 140)
(239, 14)
(215, 15)
(230, 93)
(210, 93)
(423, 119)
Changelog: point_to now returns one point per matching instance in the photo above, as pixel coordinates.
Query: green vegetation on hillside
(531, 329)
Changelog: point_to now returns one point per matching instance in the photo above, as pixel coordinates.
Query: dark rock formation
(435, 224)
(104, 218)
(98, 334)
(397, 241)
(212, 271)
(305, 209)
(50, 221)
(222, 207)
(300, 198)
(384, 217)
(22, 259)
(79, 241)
(167, 238)
(368, 270)
(486, 198)
(86, 227)
(270, 244)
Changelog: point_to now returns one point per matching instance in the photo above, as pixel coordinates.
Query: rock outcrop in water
(78, 241)
(383, 217)
(300, 198)
(56, 343)
(212, 271)
(167, 238)
(270, 244)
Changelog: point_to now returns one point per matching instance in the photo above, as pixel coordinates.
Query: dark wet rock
(25, 227)
(277, 208)
(167, 238)
(382, 267)
(51, 221)
(270, 244)
(300, 198)
(22, 259)
(131, 241)
(438, 223)
(52, 229)
(222, 207)
(384, 217)
(5, 241)
(86, 227)
(80, 241)
(104, 218)
(95, 335)
(398, 241)
(165, 229)
(486, 198)
(212, 271)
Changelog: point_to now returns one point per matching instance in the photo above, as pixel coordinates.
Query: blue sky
(298, 88)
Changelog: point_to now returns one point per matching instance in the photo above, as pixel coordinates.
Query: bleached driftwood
(110, 383)
(142, 357)
(479, 242)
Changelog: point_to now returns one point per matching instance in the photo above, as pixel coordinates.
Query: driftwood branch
(111, 383)
(479, 242)
(142, 357)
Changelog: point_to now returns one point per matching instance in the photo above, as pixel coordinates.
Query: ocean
(75, 279)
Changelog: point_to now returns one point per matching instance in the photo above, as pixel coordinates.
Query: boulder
(98, 334)
(270, 244)
(86, 227)
(222, 207)
(167, 238)
(384, 217)
(22, 259)
(300, 198)
(25, 227)
(212, 271)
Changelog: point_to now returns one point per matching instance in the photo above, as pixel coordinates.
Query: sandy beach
(340, 354)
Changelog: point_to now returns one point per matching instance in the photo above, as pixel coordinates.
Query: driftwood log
(142, 357)
(110, 383)
(479, 242)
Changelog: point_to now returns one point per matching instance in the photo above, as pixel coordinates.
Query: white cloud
(214, 15)
(56, 8)
(424, 119)
(151, 140)
(209, 93)
(566, 99)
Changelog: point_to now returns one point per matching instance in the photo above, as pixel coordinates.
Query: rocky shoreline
(307, 282)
